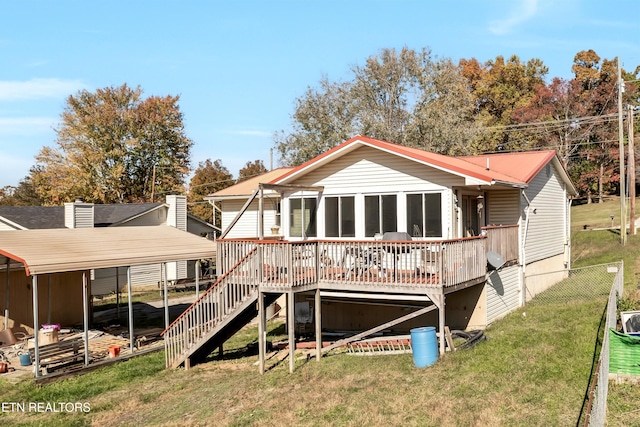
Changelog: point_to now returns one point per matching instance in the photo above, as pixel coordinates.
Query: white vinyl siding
(146, 274)
(78, 215)
(368, 172)
(154, 217)
(546, 232)
(372, 171)
(104, 282)
(177, 212)
(503, 292)
(247, 226)
(6, 227)
(503, 207)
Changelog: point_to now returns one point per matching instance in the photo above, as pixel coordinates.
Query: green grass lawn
(533, 371)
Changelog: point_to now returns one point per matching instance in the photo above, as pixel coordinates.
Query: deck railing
(503, 239)
(398, 263)
(229, 292)
(388, 264)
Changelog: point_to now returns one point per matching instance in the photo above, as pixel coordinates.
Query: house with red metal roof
(371, 230)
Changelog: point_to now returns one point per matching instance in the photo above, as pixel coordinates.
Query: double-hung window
(339, 216)
(380, 214)
(424, 214)
(302, 219)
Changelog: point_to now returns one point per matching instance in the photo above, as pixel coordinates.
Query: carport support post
(49, 298)
(130, 309)
(261, 330)
(318, 317)
(117, 294)
(166, 297)
(85, 317)
(291, 324)
(36, 350)
(6, 298)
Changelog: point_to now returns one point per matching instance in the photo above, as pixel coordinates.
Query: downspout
(523, 242)
(567, 237)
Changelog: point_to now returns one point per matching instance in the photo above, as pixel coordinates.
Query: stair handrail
(199, 319)
(211, 288)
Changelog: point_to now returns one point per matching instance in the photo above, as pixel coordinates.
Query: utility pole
(153, 184)
(623, 193)
(632, 172)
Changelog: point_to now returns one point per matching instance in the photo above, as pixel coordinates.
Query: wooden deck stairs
(225, 308)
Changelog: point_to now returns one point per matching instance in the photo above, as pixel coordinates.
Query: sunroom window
(380, 214)
(339, 216)
(303, 217)
(424, 215)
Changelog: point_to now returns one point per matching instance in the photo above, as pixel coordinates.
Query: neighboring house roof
(512, 169)
(33, 217)
(48, 217)
(72, 249)
(246, 187)
(106, 215)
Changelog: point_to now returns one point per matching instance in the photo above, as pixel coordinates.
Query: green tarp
(624, 353)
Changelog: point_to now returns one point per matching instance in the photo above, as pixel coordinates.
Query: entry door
(470, 216)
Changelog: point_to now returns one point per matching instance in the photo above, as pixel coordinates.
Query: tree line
(115, 146)
(505, 104)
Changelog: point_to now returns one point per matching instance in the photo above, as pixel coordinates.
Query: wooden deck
(247, 268)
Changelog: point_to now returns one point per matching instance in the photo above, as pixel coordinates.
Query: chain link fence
(605, 281)
(581, 284)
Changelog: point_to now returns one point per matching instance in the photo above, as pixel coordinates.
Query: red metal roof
(509, 168)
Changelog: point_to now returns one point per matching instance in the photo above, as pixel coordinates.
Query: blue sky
(239, 66)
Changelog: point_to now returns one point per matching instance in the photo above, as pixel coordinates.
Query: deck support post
(130, 309)
(197, 276)
(6, 297)
(291, 325)
(36, 349)
(441, 321)
(262, 331)
(85, 317)
(318, 319)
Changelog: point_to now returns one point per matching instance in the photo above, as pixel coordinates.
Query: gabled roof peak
(516, 168)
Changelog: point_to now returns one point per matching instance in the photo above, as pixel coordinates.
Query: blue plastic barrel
(424, 345)
(25, 359)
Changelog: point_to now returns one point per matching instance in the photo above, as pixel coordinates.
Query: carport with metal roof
(48, 251)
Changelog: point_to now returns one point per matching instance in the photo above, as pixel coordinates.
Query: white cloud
(38, 88)
(526, 10)
(25, 126)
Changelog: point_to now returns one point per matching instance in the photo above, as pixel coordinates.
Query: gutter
(510, 184)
